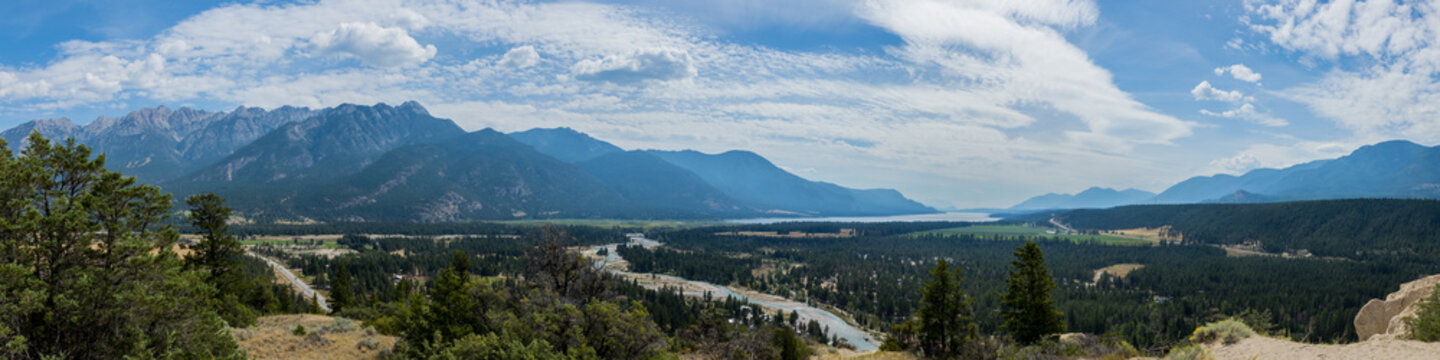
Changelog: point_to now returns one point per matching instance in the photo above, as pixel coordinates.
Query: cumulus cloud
(1237, 164)
(1205, 91)
(638, 66)
(520, 57)
(374, 44)
(1386, 77)
(1247, 111)
(1239, 72)
(996, 81)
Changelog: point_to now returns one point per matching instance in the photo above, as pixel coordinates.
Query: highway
(304, 288)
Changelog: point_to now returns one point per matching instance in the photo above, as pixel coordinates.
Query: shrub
(1229, 331)
(299, 330)
(1189, 352)
(1425, 325)
(367, 344)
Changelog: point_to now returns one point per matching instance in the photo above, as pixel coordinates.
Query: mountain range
(1095, 197)
(400, 163)
(1391, 169)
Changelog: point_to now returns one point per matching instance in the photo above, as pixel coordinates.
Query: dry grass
(1117, 270)
(327, 337)
(829, 353)
(844, 233)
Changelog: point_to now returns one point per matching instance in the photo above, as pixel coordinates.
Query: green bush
(1229, 331)
(1425, 325)
(299, 330)
(1189, 352)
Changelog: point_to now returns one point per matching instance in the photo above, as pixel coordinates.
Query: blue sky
(955, 103)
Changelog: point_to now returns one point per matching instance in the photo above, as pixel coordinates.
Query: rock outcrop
(1385, 319)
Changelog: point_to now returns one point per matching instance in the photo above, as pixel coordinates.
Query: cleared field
(1020, 230)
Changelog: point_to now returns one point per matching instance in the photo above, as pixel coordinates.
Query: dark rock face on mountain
(481, 175)
(750, 178)
(157, 144)
(1393, 169)
(399, 163)
(1092, 198)
(333, 143)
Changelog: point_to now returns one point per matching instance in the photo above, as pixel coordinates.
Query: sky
(957, 104)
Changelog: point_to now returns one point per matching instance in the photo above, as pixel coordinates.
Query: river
(837, 325)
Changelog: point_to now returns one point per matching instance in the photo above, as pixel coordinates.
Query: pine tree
(341, 296)
(217, 252)
(1425, 325)
(218, 255)
(944, 315)
(1029, 310)
(88, 271)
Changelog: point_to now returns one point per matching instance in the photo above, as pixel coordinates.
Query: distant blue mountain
(565, 144)
(1092, 198)
(1392, 169)
(749, 184)
(750, 178)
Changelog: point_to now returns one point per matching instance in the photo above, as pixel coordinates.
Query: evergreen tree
(341, 296)
(945, 314)
(86, 269)
(218, 255)
(217, 252)
(1425, 325)
(1029, 310)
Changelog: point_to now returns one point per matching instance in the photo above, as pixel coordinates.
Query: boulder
(1385, 319)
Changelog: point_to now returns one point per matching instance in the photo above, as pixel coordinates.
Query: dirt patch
(1261, 348)
(326, 337)
(328, 253)
(1117, 270)
(1163, 233)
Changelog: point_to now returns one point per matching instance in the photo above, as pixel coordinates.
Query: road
(837, 325)
(304, 288)
(1063, 227)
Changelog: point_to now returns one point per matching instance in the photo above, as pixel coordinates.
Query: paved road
(305, 289)
(1057, 223)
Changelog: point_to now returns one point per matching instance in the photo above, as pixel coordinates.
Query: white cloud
(1014, 49)
(1205, 91)
(1385, 77)
(373, 44)
(982, 93)
(1247, 111)
(1239, 72)
(520, 57)
(637, 66)
(1281, 155)
(1237, 164)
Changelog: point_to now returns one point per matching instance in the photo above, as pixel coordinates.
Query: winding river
(836, 325)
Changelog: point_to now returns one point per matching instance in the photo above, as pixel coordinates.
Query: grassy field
(1019, 230)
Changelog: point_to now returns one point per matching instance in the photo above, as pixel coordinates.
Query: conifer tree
(1425, 325)
(87, 271)
(945, 325)
(341, 296)
(1029, 310)
(217, 254)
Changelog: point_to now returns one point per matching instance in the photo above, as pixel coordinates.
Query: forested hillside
(1355, 229)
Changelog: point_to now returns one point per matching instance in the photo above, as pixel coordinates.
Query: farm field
(1032, 231)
